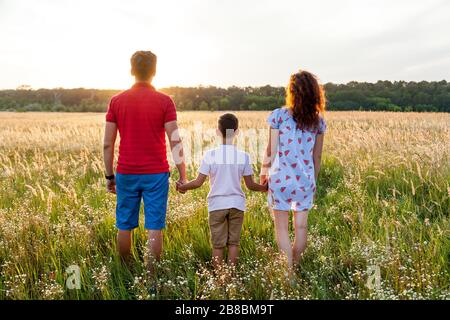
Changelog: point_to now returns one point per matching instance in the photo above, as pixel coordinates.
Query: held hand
(266, 186)
(179, 186)
(111, 186)
(263, 179)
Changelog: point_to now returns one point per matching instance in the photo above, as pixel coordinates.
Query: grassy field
(382, 204)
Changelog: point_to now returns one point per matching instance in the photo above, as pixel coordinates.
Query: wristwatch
(111, 177)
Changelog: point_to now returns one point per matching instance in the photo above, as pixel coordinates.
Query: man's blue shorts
(131, 188)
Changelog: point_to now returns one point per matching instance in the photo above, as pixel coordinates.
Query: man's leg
(155, 245)
(124, 245)
(127, 213)
(155, 194)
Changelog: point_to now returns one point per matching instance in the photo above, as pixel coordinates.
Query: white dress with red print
(291, 177)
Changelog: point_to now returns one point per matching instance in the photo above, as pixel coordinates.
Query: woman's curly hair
(306, 97)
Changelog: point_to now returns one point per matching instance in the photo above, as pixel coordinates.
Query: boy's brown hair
(143, 65)
(227, 121)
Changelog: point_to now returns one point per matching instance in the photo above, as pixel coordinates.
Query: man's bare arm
(176, 146)
(109, 142)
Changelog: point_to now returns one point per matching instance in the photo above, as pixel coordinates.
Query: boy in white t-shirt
(225, 165)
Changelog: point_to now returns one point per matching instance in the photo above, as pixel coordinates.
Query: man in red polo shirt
(142, 116)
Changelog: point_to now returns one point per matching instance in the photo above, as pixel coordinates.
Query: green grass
(54, 217)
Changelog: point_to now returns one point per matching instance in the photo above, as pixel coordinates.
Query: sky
(63, 43)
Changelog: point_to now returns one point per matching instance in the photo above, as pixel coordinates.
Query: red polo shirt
(140, 114)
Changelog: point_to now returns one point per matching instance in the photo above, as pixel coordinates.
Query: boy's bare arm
(193, 184)
(252, 185)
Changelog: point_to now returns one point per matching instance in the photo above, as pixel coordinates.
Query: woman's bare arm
(317, 154)
(269, 156)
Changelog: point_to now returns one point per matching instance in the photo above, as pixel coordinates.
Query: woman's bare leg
(301, 232)
(281, 219)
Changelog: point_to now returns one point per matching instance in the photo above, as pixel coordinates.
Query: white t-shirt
(225, 166)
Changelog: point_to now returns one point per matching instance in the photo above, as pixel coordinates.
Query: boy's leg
(235, 221)
(282, 234)
(301, 232)
(233, 254)
(218, 226)
(155, 192)
(217, 257)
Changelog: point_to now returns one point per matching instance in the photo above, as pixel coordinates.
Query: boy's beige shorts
(226, 226)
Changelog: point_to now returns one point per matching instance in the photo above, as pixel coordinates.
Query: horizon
(26, 87)
(49, 44)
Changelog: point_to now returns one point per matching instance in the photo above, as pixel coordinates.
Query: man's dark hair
(228, 121)
(143, 65)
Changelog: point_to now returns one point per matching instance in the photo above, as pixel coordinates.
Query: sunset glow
(88, 43)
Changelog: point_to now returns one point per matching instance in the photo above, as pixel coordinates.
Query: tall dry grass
(383, 203)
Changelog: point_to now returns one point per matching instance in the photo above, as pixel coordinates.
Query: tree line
(380, 96)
